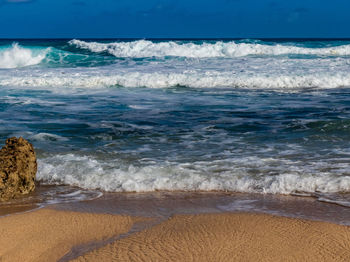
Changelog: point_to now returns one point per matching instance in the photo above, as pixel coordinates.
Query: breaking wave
(145, 48)
(193, 80)
(17, 56)
(90, 173)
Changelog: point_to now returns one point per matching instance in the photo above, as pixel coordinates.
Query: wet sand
(166, 204)
(179, 227)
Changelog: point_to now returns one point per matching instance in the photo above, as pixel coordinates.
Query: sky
(174, 19)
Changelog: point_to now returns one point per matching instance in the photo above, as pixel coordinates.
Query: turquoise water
(239, 116)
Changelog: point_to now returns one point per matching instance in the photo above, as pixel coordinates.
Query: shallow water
(162, 205)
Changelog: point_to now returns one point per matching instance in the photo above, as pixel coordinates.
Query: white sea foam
(17, 56)
(195, 80)
(90, 173)
(40, 137)
(144, 48)
(47, 137)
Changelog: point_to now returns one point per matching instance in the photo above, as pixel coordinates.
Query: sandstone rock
(17, 168)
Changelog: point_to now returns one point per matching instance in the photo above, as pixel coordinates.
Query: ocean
(247, 116)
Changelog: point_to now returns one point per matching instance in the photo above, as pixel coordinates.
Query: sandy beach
(231, 237)
(49, 234)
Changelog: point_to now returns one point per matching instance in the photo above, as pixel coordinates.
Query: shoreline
(167, 203)
(151, 226)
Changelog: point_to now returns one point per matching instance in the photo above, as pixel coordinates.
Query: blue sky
(181, 18)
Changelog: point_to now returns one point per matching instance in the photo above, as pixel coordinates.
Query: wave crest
(145, 48)
(17, 56)
(91, 173)
(167, 80)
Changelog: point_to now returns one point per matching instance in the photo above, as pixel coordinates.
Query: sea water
(250, 116)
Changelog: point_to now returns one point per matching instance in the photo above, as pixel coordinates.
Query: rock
(17, 168)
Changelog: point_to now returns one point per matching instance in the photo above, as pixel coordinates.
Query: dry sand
(231, 237)
(47, 235)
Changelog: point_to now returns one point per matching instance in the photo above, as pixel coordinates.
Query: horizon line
(176, 38)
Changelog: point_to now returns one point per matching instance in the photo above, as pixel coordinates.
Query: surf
(16, 56)
(231, 49)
